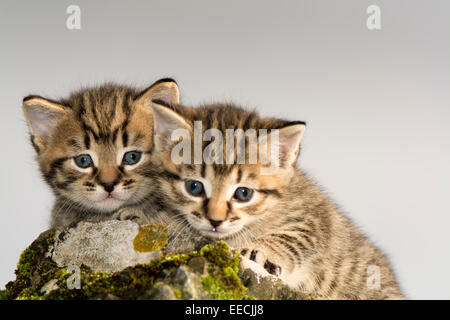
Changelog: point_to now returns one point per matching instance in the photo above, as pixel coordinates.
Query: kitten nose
(109, 186)
(108, 178)
(215, 223)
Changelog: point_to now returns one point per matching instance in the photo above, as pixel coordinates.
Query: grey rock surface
(106, 246)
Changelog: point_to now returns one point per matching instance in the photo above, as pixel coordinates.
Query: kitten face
(93, 148)
(226, 203)
(102, 173)
(223, 200)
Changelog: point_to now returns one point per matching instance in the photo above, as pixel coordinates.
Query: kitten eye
(84, 161)
(194, 187)
(131, 157)
(243, 194)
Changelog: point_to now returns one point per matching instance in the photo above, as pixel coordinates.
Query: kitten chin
(221, 232)
(109, 204)
(214, 233)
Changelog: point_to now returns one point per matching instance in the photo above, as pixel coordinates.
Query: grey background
(376, 102)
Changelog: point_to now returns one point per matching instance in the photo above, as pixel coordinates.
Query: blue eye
(131, 157)
(84, 161)
(243, 194)
(194, 187)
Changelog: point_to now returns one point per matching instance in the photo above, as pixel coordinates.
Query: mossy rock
(211, 272)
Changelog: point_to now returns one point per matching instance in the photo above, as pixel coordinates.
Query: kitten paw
(272, 268)
(134, 215)
(252, 254)
(259, 257)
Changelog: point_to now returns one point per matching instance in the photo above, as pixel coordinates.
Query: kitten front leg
(257, 254)
(133, 214)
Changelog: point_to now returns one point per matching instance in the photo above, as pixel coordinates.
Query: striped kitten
(93, 148)
(281, 220)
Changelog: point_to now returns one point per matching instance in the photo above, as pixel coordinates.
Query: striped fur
(103, 122)
(291, 228)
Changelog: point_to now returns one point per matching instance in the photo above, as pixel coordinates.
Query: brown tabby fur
(292, 228)
(104, 122)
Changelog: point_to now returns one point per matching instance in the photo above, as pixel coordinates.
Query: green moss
(29, 294)
(3, 295)
(222, 281)
(26, 260)
(50, 238)
(129, 283)
(177, 293)
(34, 270)
(171, 261)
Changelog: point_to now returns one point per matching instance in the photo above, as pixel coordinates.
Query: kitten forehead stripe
(239, 175)
(87, 141)
(273, 192)
(125, 139)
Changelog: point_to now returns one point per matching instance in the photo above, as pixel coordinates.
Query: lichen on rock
(150, 238)
(222, 280)
(106, 246)
(131, 264)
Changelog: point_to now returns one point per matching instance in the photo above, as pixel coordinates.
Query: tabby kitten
(93, 148)
(281, 219)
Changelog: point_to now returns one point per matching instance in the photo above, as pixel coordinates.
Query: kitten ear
(164, 89)
(288, 140)
(42, 115)
(168, 123)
